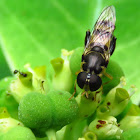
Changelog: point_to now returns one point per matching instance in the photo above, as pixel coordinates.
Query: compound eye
(81, 79)
(95, 82)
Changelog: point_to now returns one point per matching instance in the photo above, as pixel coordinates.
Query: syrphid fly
(99, 46)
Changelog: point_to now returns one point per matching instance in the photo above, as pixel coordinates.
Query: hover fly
(99, 46)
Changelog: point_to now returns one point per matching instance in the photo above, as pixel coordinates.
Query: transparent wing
(103, 28)
(106, 20)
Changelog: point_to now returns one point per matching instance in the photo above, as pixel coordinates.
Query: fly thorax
(93, 62)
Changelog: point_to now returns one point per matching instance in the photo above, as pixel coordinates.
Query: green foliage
(38, 30)
(130, 122)
(6, 98)
(4, 68)
(34, 32)
(132, 134)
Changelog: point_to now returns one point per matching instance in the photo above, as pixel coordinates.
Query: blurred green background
(34, 31)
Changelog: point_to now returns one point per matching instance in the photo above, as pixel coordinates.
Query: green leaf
(35, 31)
(131, 134)
(4, 68)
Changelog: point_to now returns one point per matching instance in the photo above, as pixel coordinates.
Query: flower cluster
(35, 104)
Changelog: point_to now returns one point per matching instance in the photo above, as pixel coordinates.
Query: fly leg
(101, 89)
(85, 92)
(108, 76)
(77, 72)
(87, 37)
(74, 91)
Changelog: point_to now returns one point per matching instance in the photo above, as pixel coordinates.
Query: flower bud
(62, 79)
(106, 128)
(19, 133)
